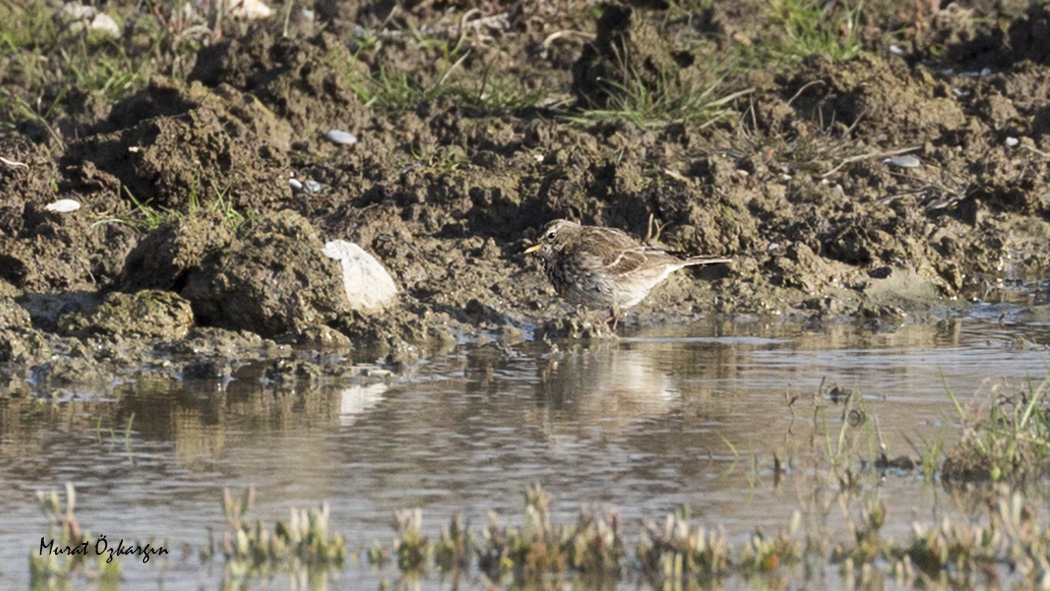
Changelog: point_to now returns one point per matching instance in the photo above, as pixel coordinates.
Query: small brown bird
(604, 267)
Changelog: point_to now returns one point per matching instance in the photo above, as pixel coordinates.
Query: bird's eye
(550, 235)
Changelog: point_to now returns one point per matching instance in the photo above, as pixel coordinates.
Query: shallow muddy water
(684, 415)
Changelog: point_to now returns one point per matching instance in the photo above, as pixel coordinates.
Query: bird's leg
(614, 317)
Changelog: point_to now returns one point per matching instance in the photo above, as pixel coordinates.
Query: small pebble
(1012, 142)
(308, 187)
(251, 10)
(903, 161)
(63, 206)
(78, 17)
(896, 50)
(105, 24)
(341, 137)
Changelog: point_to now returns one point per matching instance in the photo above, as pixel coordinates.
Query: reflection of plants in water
(126, 435)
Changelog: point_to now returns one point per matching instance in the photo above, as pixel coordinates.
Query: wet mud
(907, 178)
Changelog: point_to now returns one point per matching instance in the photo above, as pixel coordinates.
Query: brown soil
(797, 184)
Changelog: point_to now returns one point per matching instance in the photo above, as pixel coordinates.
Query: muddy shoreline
(906, 179)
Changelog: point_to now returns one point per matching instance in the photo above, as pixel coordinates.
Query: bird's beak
(533, 248)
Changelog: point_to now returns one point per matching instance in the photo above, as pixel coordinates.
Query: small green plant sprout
(811, 27)
(152, 217)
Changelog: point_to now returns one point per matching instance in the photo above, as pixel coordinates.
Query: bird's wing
(625, 261)
(615, 252)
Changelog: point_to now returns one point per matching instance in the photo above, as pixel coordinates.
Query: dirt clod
(153, 313)
(271, 279)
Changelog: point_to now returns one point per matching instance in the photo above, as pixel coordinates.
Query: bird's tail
(706, 259)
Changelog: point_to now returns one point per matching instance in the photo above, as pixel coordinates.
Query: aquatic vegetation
(455, 546)
(66, 549)
(1012, 533)
(593, 547)
(1011, 443)
(304, 543)
(1006, 529)
(411, 545)
(679, 549)
(597, 544)
(537, 549)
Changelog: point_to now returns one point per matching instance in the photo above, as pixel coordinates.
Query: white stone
(905, 161)
(249, 9)
(339, 136)
(105, 24)
(76, 17)
(63, 206)
(368, 286)
(75, 11)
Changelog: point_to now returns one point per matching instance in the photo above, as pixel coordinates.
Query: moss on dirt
(150, 313)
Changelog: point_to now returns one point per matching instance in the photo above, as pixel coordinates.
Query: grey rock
(367, 284)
